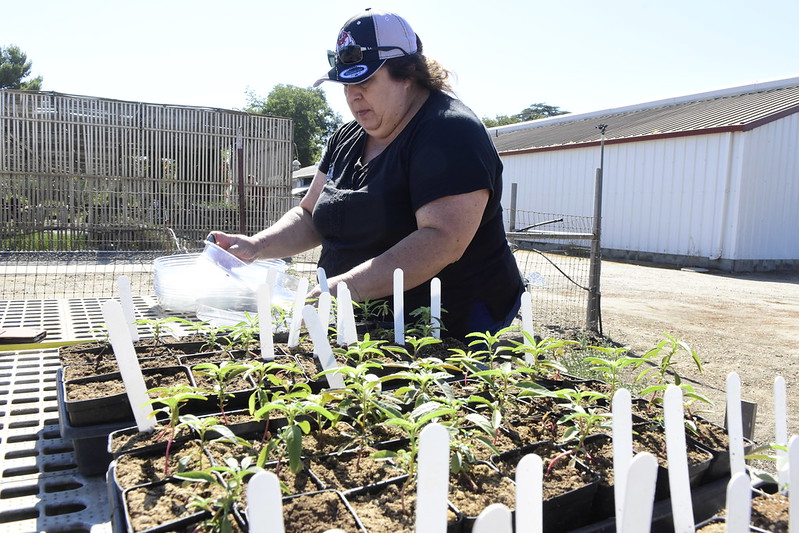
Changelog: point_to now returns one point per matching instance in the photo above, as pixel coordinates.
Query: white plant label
(622, 447)
(296, 314)
(739, 503)
(265, 509)
(781, 430)
(129, 368)
(529, 494)
(399, 308)
(322, 346)
(433, 481)
(640, 494)
(126, 299)
(679, 486)
(527, 323)
(435, 307)
(735, 431)
(265, 330)
(496, 518)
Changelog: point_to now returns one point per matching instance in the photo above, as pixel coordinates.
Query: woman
(414, 182)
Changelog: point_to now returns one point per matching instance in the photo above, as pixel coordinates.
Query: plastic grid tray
(75, 319)
(40, 486)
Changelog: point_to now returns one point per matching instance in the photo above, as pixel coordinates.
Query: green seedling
(172, 398)
(222, 375)
(411, 424)
(231, 478)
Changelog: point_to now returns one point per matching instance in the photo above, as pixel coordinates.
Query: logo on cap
(344, 39)
(353, 72)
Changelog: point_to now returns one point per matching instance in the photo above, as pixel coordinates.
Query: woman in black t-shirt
(414, 182)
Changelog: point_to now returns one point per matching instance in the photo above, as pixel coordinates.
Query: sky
(578, 55)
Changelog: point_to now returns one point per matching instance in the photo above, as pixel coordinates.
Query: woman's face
(380, 104)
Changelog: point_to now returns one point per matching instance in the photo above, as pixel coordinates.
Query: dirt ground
(744, 323)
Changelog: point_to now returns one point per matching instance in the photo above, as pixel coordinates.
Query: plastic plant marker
(432, 485)
(527, 322)
(735, 432)
(322, 277)
(399, 308)
(640, 496)
(679, 486)
(781, 430)
(323, 309)
(739, 503)
(322, 346)
(265, 504)
(126, 299)
(265, 334)
(529, 494)
(793, 480)
(622, 447)
(129, 368)
(435, 307)
(296, 314)
(496, 518)
(346, 316)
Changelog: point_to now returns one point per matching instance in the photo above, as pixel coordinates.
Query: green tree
(533, 112)
(14, 67)
(314, 120)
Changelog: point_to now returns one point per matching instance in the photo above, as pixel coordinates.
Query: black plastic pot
(323, 468)
(720, 464)
(113, 408)
(562, 512)
(696, 469)
(373, 492)
(336, 522)
(89, 443)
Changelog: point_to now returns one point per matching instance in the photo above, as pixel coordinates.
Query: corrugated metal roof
(745, 109)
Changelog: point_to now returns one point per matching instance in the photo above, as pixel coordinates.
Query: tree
(314, 120)
(534, 112)
(14, 67)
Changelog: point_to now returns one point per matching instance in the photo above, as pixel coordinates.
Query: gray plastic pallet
(40, 486)
(75, 319)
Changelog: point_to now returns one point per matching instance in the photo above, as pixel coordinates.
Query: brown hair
(425, 71)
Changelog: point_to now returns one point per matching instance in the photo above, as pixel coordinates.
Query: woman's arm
(292, 234)
(446, 226)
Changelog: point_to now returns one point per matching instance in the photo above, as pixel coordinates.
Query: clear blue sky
(579, 55)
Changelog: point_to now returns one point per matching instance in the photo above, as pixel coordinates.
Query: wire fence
(556, 275)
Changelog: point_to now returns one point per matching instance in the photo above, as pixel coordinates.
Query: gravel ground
(743, 323)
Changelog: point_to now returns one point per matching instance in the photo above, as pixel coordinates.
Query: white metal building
(708, 180)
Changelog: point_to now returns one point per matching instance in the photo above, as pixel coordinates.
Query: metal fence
(557, 273)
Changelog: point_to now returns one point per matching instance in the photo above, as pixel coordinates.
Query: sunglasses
(348, 55)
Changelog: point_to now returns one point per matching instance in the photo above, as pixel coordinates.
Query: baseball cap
(364, 44)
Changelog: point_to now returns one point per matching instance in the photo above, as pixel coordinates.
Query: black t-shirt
(365, 209)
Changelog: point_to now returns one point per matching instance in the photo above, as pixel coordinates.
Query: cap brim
(348, 74)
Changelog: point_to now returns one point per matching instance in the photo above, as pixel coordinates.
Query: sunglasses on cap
(348, 55)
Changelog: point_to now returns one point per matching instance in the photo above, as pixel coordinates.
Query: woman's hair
(425, 71)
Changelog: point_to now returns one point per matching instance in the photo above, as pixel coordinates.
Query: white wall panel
(768, 223)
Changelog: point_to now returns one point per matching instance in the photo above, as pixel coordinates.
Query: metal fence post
(242, 192)
(593, 310)
(512, 212)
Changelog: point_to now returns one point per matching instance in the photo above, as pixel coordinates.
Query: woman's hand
(241, 246)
